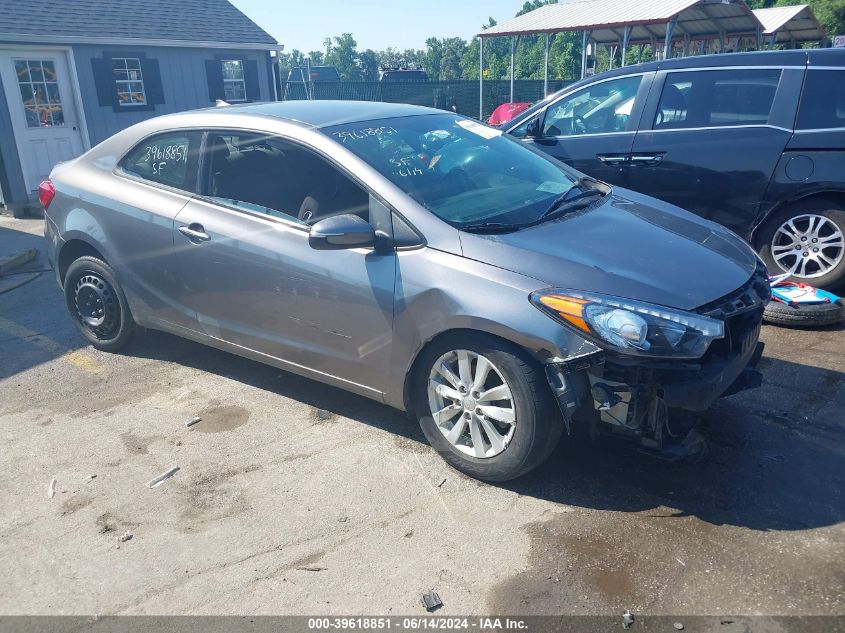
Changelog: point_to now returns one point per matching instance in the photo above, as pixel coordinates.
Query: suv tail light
(46, 192)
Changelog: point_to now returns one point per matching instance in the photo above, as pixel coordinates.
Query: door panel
(42, 107)
(254, 281)
(593, 128)
(708, 143)
(603, 157)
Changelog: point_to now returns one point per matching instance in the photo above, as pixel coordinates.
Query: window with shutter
(233, 78)
(127, 81)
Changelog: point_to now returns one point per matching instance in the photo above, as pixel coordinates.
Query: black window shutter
(104, 82)
(152, 81)
(253, 88)
(214, 76)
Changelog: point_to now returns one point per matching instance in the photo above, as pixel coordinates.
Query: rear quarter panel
(129, 222)
(812, 165)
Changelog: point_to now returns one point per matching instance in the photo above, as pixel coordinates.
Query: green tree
(433, 62)
(342, 52)
(368, 61)
(450, 63)
(390, 58)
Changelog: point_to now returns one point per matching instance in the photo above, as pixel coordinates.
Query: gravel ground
(293, 497)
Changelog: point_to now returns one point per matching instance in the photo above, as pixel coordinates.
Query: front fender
(439, 292)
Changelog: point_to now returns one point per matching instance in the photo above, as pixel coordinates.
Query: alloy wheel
(471, 403)
(808, 246)
(97, 307)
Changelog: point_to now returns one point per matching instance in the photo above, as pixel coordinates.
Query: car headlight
(631, 327)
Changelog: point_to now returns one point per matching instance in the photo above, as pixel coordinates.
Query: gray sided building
(74, 72)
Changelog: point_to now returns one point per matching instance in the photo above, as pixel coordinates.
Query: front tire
(485, 407)
(97, 304)
(806, 240)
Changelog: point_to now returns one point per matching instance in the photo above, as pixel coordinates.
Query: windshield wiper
(491, 227)
(571, 201)
(579, 196)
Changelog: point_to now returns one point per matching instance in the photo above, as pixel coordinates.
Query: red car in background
(506, 112)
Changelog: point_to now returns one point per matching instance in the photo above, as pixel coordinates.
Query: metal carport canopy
(791, 24)
(647, 19)
(625, 22)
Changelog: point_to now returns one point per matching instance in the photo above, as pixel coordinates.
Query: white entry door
(43, 110)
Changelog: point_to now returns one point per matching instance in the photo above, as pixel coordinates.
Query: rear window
(167, 159)
(823, 101)
(717, 98)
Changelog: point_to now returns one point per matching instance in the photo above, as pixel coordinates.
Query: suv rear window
(823, 102)
(717, 98)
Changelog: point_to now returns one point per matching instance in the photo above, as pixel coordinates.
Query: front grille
(742, 313)
(755, 293)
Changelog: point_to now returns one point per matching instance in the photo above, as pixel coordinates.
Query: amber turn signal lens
(568, 308)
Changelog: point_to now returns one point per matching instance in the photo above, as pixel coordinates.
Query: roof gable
(180, 20)
(796, 22)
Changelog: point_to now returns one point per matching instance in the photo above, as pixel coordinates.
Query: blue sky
(376, 24)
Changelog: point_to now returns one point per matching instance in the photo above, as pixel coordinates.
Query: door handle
(645, 160)
(614, 159)
(194, 232)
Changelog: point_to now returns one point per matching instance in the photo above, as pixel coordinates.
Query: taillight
(46, 193)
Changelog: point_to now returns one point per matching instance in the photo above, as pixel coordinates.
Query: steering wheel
(579, 125)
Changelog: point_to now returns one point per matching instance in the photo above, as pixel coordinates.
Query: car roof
(327, 113)
(799, 57)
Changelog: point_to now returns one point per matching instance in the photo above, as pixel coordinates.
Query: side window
(600, 108)
(716, 98)
(265, 174)
(823, 102)
(521, 131)
(168, 159)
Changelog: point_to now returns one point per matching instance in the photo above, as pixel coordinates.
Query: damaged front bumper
(646, 399)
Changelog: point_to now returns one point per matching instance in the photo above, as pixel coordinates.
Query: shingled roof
(137, 20)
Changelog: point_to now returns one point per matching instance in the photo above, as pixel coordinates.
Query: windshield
(465, 173)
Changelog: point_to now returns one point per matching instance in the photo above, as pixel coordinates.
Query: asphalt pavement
(296, 498)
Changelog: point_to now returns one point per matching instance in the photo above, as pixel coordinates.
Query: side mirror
(340, 232)
(533, 129)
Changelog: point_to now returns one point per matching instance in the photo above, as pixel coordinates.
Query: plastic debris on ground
(193, 421)
(51, 489)
(627, 619)
(126, 536)
(431, 601)
(153, 483)
(795, 293)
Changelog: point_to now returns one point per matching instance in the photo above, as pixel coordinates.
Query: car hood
(629, 246)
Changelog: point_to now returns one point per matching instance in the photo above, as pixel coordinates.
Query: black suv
(754, 141)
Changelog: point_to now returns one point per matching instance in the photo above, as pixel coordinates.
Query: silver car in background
(417, 258)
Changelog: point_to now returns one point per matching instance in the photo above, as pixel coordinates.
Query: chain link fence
(459, 96)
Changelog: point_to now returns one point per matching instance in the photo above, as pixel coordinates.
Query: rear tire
(97, 304)
(782, 247)
(521, 392)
